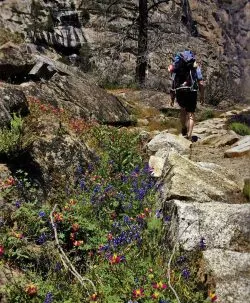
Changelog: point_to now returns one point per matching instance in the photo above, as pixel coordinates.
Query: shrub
(221, 87)
(240, 128)
(206, 114)
(10, 139)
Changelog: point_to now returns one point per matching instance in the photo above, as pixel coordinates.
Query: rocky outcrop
(206, 210)
(51, 81)
(216, 30)
(241, 148)
(12, 100)
(231, 273)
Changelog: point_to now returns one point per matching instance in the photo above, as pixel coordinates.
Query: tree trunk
(141, 63)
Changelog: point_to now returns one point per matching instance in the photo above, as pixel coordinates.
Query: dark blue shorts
(187, 99)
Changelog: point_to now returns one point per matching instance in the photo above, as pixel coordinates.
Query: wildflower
(18, 235)
(72, 236)
(72, 202)
(94, 297)
(155, 295)
(42, 239)
(58, 266)
(115, 259)
(48, 298)
(138, 293)
(10, 181)
(1, 250)
(110, 236)
(158, 214)
(160, 285)
(41, 214)
(77, 243)
(212, 297)
(185, 273)
(58, 217)
(18, 204)
(31, 289)
(202, 243)
(75, 227)
(167, 219)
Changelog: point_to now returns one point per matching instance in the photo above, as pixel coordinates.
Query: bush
(206, 114)
(221, 87)
(10, 139)
(240, 128)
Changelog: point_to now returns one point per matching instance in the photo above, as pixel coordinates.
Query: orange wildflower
(31, 289)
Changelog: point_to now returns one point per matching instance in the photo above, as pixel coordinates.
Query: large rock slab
(59, 84)
(221, 225)
(57, 156)
(186, 180)
(164, 142)
(218, 140)
(241, 148)
(231, 274)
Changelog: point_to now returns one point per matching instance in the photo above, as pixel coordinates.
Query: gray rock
(218, 140)
(12, 99)
(231, 274)
(187, 180)
(166, 141)
(57, 156)
(241, 148)
(222, 225)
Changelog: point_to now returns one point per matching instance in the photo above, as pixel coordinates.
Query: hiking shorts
(187, 99)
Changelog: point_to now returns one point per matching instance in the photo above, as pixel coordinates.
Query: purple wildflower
(48, 298)
(185, 273)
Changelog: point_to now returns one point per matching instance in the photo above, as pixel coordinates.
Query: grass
(240, 128)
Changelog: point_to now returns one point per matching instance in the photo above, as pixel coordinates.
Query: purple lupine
(48, 298)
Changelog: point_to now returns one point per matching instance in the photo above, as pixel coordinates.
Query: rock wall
(217, 30)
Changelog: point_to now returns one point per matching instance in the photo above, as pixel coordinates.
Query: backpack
(184, 72)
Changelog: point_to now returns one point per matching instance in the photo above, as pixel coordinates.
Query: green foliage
(106, 226)
(10, 139)
(240, 128)
(206, 114)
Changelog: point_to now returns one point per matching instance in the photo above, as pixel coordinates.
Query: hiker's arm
(202, 91)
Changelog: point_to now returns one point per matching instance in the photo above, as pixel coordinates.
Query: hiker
(186, 81)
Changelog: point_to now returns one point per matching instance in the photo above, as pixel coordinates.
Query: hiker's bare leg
(190, 124)
(183, 117)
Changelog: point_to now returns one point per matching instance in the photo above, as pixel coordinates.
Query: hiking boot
(184, 131)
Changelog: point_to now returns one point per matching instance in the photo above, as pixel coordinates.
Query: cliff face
(105, 34)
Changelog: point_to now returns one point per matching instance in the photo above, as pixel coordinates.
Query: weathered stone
(222, 225)
(156, 164)
(230, 271)
(241, 148)
(12, 100)
(187, 180)
(166, 141)
(219, 140)
(58, 156)
(81, 98)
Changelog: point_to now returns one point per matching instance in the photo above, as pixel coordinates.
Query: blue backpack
(184, 72)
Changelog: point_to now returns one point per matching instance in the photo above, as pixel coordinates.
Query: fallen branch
(65, 260)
